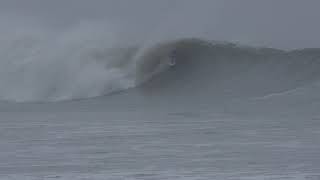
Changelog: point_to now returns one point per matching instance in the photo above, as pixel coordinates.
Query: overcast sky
(276, 23)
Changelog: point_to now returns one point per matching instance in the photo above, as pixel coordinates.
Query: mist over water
(84, 60)
(87, 58)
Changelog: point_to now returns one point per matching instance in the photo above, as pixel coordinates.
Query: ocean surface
(88, 108)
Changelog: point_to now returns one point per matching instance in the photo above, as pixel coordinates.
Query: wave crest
(89, 61)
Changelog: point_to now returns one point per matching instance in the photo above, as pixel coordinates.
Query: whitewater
(85, 102)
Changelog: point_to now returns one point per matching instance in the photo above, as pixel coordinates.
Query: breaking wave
(89, 61)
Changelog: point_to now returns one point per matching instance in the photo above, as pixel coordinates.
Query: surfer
(172, 58)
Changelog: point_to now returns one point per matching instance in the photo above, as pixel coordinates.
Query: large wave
(88, 61)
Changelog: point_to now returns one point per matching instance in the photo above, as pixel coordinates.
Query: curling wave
(85, 62)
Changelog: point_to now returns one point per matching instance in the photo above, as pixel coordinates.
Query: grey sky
(276, 23)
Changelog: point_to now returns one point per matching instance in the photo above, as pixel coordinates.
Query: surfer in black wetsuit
(172, 58)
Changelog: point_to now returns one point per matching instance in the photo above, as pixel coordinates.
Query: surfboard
(172, 62)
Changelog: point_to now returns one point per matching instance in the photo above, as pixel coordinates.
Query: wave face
(87, 62)
(211, 70)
